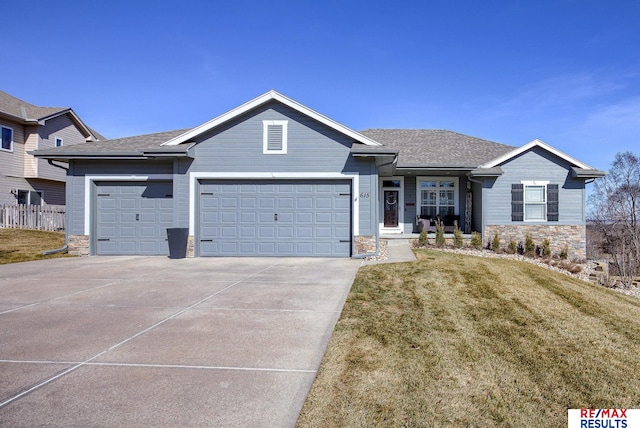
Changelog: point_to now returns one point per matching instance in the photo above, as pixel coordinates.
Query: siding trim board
(195, 177)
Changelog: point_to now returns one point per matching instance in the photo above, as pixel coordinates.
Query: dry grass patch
(455, 340)
(21, 245)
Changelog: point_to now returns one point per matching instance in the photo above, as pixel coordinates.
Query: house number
(364, 195)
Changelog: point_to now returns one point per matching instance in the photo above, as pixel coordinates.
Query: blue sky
(564, 71)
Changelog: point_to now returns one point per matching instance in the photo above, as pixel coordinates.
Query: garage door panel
(284, 217)
(229, 217)
(266, 232)
(132, 218)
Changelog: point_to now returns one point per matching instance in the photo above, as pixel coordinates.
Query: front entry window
(391, 208)
(391, 200)
(438, 197)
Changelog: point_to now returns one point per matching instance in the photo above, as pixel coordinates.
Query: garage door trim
(90, 190)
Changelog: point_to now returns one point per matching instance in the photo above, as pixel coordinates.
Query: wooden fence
(40, 217)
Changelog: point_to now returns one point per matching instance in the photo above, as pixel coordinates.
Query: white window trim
(456, 192)
(12, 134)
(526, 183)
(400, 227)
(265, 137)
(40, 192)
(55, 142)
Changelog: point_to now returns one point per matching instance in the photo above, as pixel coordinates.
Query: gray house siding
(536, 164)
(313, 149)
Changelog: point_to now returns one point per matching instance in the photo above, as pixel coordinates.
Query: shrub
(440, 234)
(546, 248)
(423, 240)
(512, 248)
(495, 243)
(564, 253)
(457, 237)
(529, 246)
(476, 240)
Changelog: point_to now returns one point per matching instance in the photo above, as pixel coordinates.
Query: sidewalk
(398, 250)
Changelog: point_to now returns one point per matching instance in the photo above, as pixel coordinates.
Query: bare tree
(615, 211)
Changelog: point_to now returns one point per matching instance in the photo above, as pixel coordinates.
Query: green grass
(453, 340)
(21, 245)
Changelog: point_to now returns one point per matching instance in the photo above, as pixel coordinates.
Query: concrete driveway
(149, 341)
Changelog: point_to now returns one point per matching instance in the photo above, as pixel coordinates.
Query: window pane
(534, 194)
(428, 197)
(34, 198)
(535, 212)
(428, 212)
(446, 197)
(391, 183)
(427, 184)
(6, 138)
(447, 184)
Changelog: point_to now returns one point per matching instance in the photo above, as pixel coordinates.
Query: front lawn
(22, 245)
(455, 340)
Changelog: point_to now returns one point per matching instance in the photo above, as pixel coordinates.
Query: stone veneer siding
(78, 245)
(573, 237)
(190, 246)
(364, 245)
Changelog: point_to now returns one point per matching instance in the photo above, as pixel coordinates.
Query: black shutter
(552, 202)
(517, 202)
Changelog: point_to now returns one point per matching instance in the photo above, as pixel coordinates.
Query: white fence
(40, 217)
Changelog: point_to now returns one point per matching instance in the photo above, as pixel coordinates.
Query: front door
(391, 208)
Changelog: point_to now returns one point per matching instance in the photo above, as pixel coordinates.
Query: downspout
(66, 242)
(377, 252)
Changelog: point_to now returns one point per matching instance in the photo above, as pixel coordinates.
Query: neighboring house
(25, 127)
(275, 178)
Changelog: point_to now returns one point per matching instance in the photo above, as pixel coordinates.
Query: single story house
(275, 178)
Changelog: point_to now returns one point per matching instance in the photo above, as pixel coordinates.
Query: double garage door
(274, 218)
(234, 218)
(132, 218)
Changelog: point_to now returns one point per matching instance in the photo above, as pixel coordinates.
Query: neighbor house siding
(13, 162)
(536, 164)
(58, 127)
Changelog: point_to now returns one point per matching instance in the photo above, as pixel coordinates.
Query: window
(274, 137)
(59, 142)
(438, 196)
(29, 197)
(534, 201)
(7, 139)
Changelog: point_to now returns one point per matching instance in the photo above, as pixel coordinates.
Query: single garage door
(132, 218)
(275, 218)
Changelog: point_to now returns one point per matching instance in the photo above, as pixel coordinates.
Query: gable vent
(274, 137)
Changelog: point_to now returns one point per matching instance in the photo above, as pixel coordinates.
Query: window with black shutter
(552, 202)
(517, 202)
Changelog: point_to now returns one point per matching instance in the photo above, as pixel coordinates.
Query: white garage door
(275, 218)
(132, 218)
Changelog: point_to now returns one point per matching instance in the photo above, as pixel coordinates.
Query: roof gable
(535, 143)
(25, 112)
(256, 102)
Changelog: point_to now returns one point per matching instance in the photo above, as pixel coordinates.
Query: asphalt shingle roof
(437, 148)
(24, 110)
(128, 145)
